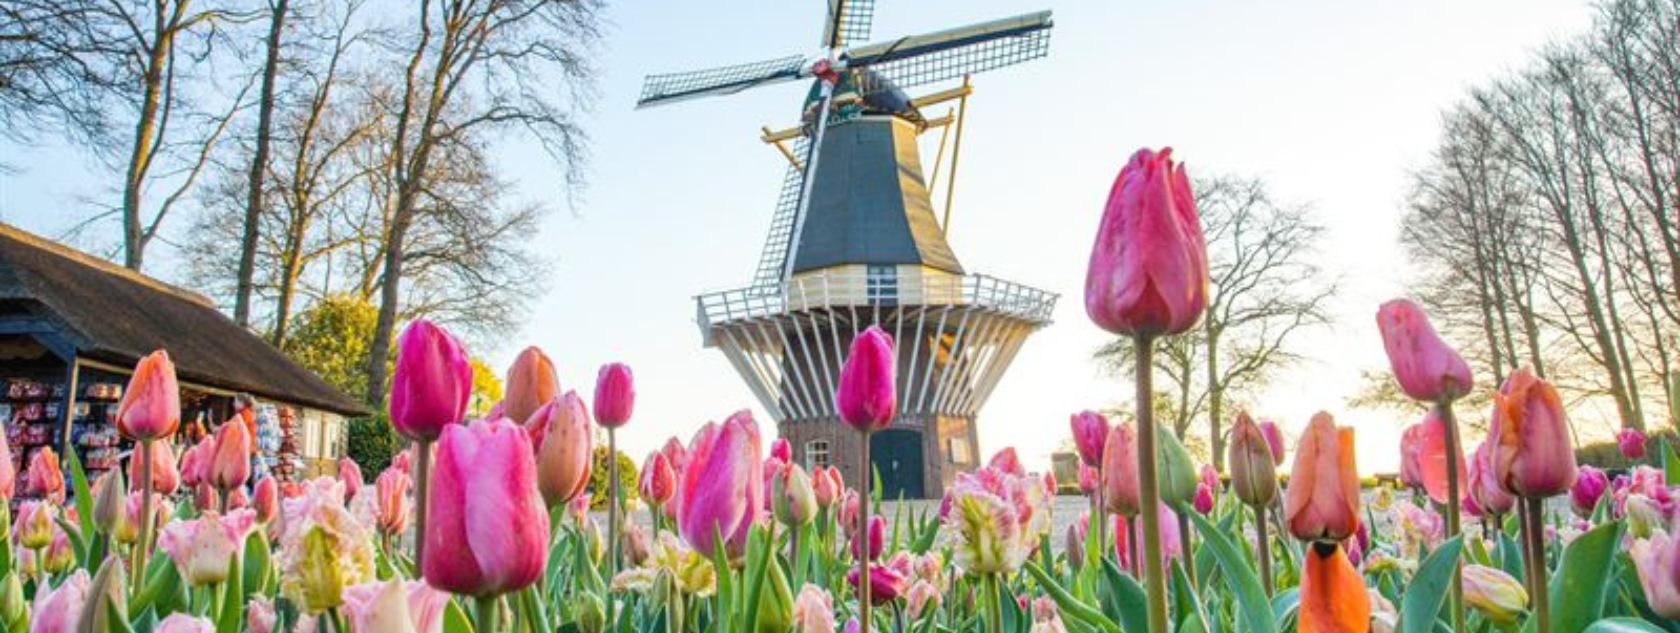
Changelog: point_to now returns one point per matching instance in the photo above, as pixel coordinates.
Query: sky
(1331, 103)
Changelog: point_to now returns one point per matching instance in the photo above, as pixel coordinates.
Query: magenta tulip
(151, 405)
(615, 395)
(488, 530)
(1274, 441)
(720, 491)
(1411, 467)
(877, 530)
(1090, 432)
(1632, 443)
(868, 396)
(1148, 272)
(885, 583)
(658, 482)
(781, 449)
(432, 382)
(1590, 486)
(1426, 368)
(1533, 454)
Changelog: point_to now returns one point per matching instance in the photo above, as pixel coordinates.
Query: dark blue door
(897, 456)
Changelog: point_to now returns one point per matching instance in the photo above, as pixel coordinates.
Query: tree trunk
(259, 168)
(140, 158)
(1216, 397)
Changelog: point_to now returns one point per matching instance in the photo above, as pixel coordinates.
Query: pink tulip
(781, 449)
(877, 529)
(8, 471)
(1090, 480)
(1411, 467)
(1590, 486)
(488, 529)
(1484, 483)
(1274, 440)
(230, 464)
(885, 583)
(813, 610)
(1534, 455)
(266, 500)
(195, 462)
(615, 395)
(1632, 443)
(719, 491)
(1253, 475)
(1171, 545)
(56, 610)
(1432, 458)
(567, 451)
(166, 477)
(676, 453)
(826, 484)
(1148, 272)
(205, 498)
(431, 384)
(1007, 461)
(867, 397)
(35, 524)
(1657, 560)
(395, 606)
(658, 482)
(350, 473)
(151, 405)
(1090, 431)
(45, 479)
(1207, 490)
(1426, 368)
(203, 547)
(531, 383)
(392, 493)
(237, 498)
(1322, 501)
(184, 623)
(1120, 473)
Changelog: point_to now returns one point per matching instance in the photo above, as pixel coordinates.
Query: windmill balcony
(854, 290)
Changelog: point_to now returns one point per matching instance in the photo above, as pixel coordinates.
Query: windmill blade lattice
(949, 54)
(666, 88)
(772, 261)
(848, 22)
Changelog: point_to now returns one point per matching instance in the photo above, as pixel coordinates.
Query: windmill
(854, 242)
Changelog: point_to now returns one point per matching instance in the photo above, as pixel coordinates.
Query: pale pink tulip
(488, 530)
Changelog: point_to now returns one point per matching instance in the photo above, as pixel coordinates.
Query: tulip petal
(1333, 597)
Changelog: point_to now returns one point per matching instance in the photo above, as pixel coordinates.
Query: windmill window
(816, 454)
(956, 451)
(882, 284)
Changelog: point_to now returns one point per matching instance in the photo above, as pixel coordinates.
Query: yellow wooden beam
(943, 96)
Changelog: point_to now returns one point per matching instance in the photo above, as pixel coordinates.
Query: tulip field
(483, 525)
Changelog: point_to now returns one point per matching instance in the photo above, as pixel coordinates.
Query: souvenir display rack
(93, 422)
(34, 416)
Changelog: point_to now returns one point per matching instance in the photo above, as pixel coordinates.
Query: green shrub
(372, 444)
(1608, 455)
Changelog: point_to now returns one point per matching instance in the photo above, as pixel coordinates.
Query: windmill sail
(723, 80)
(848, 22)
(952, 53)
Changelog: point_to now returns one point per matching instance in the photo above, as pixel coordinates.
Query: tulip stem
(1453, 505)
(484, 614)
(994, 619)
(1263, 549)
(137, 572)
(612, 500)
(862, 533)
(1184, 537)
(1534, 532)
(422, 500)
(1149, 497)
(1098, 509)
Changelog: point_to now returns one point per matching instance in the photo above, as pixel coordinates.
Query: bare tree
(1265, 287)
(55, 71)
(259, 162)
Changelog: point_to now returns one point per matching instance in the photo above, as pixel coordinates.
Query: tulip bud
(531, 383)
(8, 470)
(1484, 483)
(1274, 440)
(885, 583)
(1590, 485)
(45, 478)
(350, 473)
(431, 383)
(1073, 543)
(1120, 473)
(1495, 593)
(230, 465)
(151, 405)
(827, 486)
(877, 529)
(1008, 461)
(202, 548)
(1249, 458)
(591, 613)
(266, 500)
(567, 451)
(615, 395)
(658, 482)
(108, 501)
(205, 498)
(392, 495)
(1426, 368)
(1657, 560)
(14, 610)
(1090, 432)
(1203, 503)
(1090, 480)
(60, 556)
(166, 477)
(55, 609)
(638, 545)
(1176, 472)
(775, 604)
(1148, 272)
(813, 611)
(106, 595)
(185, 623)
(1322, 502)
(868, 397)
(489, 530)
(793, 501)
(35, 524)
(1632, 443)
(1534, 455)
(781, 449)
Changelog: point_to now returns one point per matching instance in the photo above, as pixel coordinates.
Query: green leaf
(257, 555)
(77, 543)
(1671, 463)
(118, 623)
(1577, 587)
(1622, 625)
(1428, 590)
(1192, 614)
(455, 620)
(79, 486)
(1285, 603)
(1254, 610)
(1510, 556)
(232, 618)
(1126, 597)
(1070, 606)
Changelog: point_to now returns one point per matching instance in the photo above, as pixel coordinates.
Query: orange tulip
(1322, 503)
(1333, 597)
(531, 383)
(1533, 455)
(151, 405)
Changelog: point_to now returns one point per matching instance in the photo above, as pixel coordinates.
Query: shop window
(956, 451)
(816, 454)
